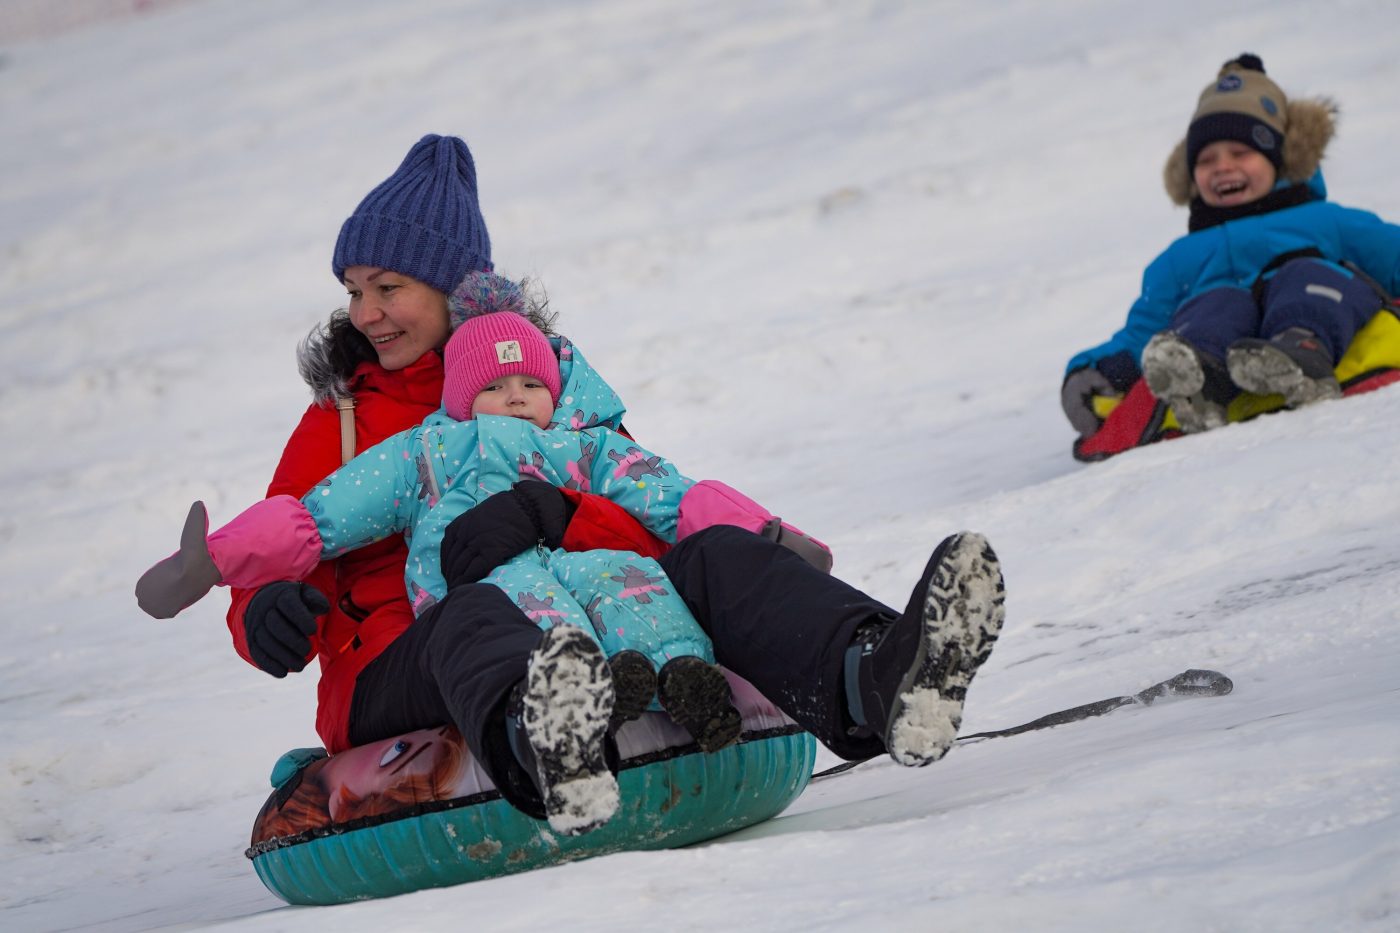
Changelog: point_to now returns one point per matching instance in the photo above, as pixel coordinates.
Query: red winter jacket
(369, 607)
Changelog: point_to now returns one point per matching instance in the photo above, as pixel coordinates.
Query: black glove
(1077, 398)
(279, 621)
(487, 535)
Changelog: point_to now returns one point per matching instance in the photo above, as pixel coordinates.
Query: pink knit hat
(485, 348)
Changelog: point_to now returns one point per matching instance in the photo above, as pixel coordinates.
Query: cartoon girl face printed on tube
(385, 776)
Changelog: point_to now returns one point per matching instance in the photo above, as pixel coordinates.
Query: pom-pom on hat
(422, 221)
(1243, 104)
(484, 293)
(492, 339)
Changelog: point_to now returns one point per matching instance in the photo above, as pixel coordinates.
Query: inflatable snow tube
(417, 811)
(1371, 361)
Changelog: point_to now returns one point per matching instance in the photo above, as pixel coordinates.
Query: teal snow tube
(418, 812)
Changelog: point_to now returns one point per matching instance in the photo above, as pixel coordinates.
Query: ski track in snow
(833, 253)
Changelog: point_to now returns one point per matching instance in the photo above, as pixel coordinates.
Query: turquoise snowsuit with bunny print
(417, 481)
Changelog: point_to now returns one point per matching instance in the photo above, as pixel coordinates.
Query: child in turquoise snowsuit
(508, 416)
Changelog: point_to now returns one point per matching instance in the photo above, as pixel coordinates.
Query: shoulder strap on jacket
(346, 406)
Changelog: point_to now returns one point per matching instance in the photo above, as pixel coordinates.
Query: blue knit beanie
(422, 221)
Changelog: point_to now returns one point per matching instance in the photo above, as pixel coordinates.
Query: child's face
(1230, 173)
(402, 317)
(516, 396)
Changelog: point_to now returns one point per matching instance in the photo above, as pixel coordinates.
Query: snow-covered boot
(907, 680)
(1294, 364)
(634, 686)
(696, 694)
(563, 707)
(1195, 384)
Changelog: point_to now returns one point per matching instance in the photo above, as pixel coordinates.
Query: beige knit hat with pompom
(1244, 104)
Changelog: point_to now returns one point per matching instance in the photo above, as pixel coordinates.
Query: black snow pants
(779, 623)
(455, 664)
(775, 620)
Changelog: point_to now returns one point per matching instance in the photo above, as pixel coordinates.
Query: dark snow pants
(1332, 302)
(779, 623)
(775, 620)
(455, 664)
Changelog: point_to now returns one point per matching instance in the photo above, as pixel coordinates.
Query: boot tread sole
(963, 611)
(567, 704)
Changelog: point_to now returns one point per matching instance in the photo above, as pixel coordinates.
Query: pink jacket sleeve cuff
(710, 502)
(275, 539)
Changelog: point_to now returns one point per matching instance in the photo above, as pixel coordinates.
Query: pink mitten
(711, 502)
(275, 539)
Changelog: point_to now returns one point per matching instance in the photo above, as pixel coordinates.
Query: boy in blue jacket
(1271, 283)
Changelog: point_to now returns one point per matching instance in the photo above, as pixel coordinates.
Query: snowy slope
(835, 253)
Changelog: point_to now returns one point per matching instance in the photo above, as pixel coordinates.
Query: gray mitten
(800, 543)
(184, 577)
(1077, 398)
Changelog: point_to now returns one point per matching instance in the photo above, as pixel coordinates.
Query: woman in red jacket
(535, 707)
(376, 369)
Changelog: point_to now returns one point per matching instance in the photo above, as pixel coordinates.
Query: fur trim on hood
(1311, 125)
(328, 356)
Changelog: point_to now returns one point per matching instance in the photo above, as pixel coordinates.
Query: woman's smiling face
(402, 317)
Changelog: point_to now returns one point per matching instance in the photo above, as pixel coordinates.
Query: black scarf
(1204, 216)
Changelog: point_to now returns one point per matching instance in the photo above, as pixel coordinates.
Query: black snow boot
(1294, 364)
(906, 680)
(1195, 384)
(557, 723)
(696, 694)
(634, 686)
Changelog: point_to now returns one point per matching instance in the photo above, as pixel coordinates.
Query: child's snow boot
(907, 680)
(1294, 364)
(634, 686)
(563, 708)
(696, 694)
(1195, 384)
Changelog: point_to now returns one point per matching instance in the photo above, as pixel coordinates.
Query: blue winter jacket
(1236, 252)
(417, 481)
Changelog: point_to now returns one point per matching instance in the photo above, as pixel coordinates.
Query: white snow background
(835, 253)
